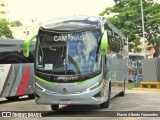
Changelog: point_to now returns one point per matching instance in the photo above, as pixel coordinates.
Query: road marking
(137, 108)
(147, 89)
(148, 105)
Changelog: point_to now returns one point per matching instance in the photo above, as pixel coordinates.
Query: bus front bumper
(86, 97)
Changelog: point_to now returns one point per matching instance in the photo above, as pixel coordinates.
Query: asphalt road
(134, 102)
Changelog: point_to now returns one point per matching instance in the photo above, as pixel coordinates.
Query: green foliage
(16, 23)
(5, 31)
(127, 18)
(130, 86)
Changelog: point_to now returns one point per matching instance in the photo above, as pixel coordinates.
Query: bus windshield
(68, 53)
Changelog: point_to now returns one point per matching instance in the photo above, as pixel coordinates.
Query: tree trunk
(157, 50)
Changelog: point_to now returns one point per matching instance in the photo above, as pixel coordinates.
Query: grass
(131, 86)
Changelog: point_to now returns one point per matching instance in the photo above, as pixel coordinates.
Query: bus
(78, 61)
(16, 71)
(135, 66)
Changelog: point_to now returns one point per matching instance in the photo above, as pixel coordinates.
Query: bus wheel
(54, 107)
(123, 92)
(105, 104)
(13, 98)
(31, 96)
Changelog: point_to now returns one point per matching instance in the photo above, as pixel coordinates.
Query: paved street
(134, 100)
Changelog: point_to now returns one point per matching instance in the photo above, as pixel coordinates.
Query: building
(3, 9)
(149, 50)
(24, 32)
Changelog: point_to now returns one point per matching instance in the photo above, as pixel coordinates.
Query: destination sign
(68, 37)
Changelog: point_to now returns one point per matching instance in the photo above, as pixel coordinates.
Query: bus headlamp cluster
(43, 89)
(88, 89)
(94, 86)
(39, 87)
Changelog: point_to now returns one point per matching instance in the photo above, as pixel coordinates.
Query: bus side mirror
(104, 44)
(26, 46)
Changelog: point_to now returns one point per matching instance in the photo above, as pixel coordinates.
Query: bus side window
(114, 42)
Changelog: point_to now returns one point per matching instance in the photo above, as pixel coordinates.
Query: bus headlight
(43, 89)
(39, 87)
(94, 86)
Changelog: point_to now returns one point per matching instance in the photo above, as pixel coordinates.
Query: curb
(147, 89)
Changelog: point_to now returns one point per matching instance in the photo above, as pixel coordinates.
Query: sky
(41, 10)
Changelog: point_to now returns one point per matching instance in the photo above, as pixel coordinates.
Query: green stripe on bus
(53, 83)
(45, 81)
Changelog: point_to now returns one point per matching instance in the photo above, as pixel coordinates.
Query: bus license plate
(65, 102)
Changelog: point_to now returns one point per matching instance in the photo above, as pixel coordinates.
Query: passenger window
(114, 41)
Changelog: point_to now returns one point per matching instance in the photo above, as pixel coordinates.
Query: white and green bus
(78, 61)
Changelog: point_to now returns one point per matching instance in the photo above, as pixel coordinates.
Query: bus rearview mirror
(26, 46)
(104, 44)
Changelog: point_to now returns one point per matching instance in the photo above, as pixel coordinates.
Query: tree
(127, 18)
(16, 23)
(5, 31)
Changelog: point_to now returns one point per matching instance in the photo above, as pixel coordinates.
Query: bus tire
(123, 92)
(31, 96)
(54, 107)
(106, 104)
(13, 98)
(14, 58)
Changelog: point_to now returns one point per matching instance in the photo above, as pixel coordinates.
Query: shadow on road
(20, 99)
(79, 111)
(75, 111)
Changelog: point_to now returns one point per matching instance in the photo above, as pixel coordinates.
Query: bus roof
(11, 41)
(78, 23)
(74, 23)
(8, 45)
(7, 41)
